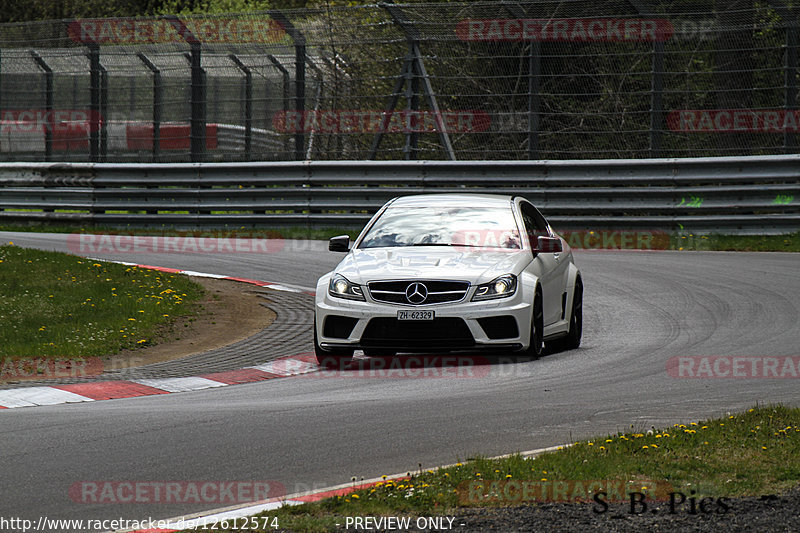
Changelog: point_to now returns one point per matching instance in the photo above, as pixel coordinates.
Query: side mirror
(339, 244)
(548, 245)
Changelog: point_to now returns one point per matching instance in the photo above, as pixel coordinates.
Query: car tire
(536, 346)
(572, 340)
(331, 357)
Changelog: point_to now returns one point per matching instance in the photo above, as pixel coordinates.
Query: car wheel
(536, 347)
(332, 357)
(573, 338)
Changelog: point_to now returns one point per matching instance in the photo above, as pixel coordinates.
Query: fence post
(103, 112)
(534, 98)
(299, 78)
(417, 67)
(48, 105)
(410, 149)
(534, 84)
(157, 103)
(790, 77)
(657, 99)
(197, 129)
(286, 93)
(248, 104)
(198, 101)
(94, 102)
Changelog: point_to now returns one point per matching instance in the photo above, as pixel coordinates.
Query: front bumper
(500, 325)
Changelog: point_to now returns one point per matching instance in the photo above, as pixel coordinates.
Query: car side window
(535, 225)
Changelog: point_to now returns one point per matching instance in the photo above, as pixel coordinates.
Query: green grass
(57, 305)
(681, 241)
(604, 239)
(289, 232)
(738, 243)
(747, 454)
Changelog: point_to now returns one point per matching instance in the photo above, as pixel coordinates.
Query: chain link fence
(562, 79)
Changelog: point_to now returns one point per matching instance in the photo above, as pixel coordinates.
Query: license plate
(415, 315)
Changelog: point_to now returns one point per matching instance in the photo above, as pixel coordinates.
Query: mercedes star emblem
(416, 293)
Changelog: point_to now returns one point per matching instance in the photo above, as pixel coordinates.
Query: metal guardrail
(759, 194)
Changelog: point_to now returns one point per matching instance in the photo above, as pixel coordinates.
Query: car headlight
(341, 287)
(501, 287)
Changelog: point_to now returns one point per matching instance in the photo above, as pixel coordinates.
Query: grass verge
(738, 243)
(680, 241)
(603, 239)
(57, 305)
(290, 232)
(752, 453)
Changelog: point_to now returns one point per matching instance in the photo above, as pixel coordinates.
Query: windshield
(478, 227)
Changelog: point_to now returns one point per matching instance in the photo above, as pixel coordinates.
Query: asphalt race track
(641, 309)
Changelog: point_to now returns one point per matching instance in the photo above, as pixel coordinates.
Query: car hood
(475, 266)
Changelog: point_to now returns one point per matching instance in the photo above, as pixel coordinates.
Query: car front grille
(448, 332)
(435, 292)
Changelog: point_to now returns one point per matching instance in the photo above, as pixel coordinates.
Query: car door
(547, 266)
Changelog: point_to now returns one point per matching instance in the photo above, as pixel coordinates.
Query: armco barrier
(759, 194)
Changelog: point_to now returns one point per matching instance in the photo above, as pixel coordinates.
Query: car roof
(453, 200)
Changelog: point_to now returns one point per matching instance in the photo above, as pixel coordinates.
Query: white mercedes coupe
(431, 273)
